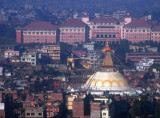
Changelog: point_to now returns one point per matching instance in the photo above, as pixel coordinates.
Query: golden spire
(107, 62)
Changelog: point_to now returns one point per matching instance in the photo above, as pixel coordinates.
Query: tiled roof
(74, 22)
(138, 23)
(104, 20)
(40, 25)
(156, 28)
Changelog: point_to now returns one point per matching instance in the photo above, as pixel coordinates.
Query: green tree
(157, 109)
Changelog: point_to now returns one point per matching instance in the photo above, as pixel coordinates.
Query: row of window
(32, 114)
(37, 36)
(71, 33)
(92, 23)
(106, 36)
(137, 31)
(82, 30)
(137, 37)
(105, 30)
(39, 39)
(156, 33)
(73, 36)
(143, 28)
(39, 32)
(73, 39)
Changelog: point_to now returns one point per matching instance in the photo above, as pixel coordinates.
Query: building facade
(9, 54)
(37, 32)
(156, 33)
(105, 29)
(137, 30)
(53, 51)
(73, 31)
(29, 58)
(136, 57)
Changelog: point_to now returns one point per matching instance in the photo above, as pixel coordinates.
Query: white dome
(106, 81)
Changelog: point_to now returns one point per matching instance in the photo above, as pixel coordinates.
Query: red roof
(104, 20)
(138, 23)
(156, 28)
(40, 25)
(74, 22)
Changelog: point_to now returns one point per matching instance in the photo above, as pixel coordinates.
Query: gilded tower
(107, 64)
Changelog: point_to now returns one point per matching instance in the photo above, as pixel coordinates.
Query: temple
(107, 79)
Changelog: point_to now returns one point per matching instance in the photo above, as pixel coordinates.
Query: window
(39, 114)
(32, 113)
(104, 114)
(28, 114)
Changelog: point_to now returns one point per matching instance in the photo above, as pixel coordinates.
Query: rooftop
(104, 20)
(138, 23)
(40, 25)
(74, 22)
(156, 28)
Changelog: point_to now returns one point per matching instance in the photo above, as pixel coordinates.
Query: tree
(66, 51)
(140, 107)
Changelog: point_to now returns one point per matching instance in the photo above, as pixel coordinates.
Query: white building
(144, 64)
(30, 58)
(89, 46)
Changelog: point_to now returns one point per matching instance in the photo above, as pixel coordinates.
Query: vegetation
(46, 71)
(7, 34)
(145, 107)
(66, 51)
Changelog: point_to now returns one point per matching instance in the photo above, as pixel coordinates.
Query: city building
(120, 14)
(89, 46)
(144, 64)
(137, 30)
(2, 110)
(53, 108)
(78, 108)
(73, 31)
(156, 33)
(52, 51)
(34, 112)
(79, 52)
(9, 54)
(136, 57)
(37, 32)
(30, 58)
(95, 109)
(105, 29)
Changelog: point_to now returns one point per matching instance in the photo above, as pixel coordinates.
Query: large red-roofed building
(156, 33)
(37, 32)
(73, 31)
(137, 30)
(105, 29)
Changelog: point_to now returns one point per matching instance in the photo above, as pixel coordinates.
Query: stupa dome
(106, 81)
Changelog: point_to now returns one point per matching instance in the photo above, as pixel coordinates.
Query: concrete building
(78, 108)
(144, 64)
(52, 51)
(105, 29)
(120, 14)
(89, 46)
(156, 33)
(2, 110)
(34, 112)
(29, 58)
(137, 30)
(37, 32)
(53, 108)
(73, 31)
(136, 57)
(11, 53)
(95, 109)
